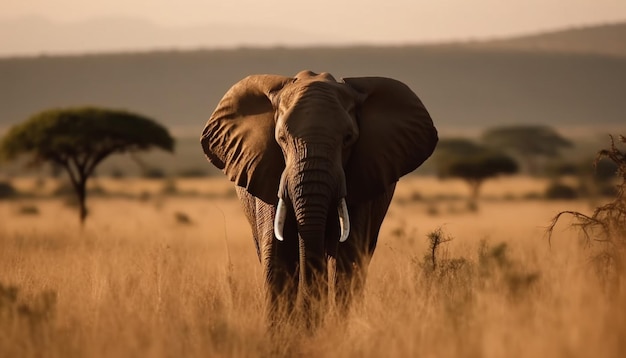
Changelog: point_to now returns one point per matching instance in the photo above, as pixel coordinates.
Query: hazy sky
(358, 20)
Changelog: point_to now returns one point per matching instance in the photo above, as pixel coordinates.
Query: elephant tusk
(279, 220)
(344, 220)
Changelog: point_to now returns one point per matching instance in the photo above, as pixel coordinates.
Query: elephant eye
(347, 139)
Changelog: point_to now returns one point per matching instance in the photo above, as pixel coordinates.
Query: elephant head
(310, 143)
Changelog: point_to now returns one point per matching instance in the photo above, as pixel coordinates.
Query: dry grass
(139, 282)
(511, 186)
(130, 186)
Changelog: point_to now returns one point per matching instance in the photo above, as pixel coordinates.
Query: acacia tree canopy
(479, 167)
(473, 163)
(529, 142)
(83, 133)
(78, 139)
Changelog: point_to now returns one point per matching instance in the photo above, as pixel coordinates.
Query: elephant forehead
(310, 75)
(312, 92)
(309, 115)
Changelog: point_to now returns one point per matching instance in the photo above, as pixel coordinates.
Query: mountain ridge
(35, 36)
(467, 86)
(604, 39)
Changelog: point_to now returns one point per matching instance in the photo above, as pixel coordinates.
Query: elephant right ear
(239, 136)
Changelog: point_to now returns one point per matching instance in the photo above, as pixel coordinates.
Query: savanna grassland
(155, 275)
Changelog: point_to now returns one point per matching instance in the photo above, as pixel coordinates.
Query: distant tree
(192, 173)
(558, 190)
(7, 190)
(457, 146)
(78, 139)
(595, 177)
(152, 173)
(117, 173)
(528, 142)
(604, 170)
(464, 159)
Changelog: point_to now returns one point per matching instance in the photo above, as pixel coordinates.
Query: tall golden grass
(140, 282)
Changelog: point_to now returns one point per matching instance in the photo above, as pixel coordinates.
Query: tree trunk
(81, 195)
(474, 191)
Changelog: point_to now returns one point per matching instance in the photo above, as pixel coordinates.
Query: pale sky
(379, 21)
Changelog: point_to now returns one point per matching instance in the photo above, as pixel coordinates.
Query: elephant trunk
(317, 190)
(313, 191)
(315, 185)
(312, 195)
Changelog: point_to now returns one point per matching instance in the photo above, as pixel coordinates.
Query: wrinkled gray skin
(313, 141)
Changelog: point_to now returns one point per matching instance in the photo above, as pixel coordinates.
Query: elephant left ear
(239, 136)
(396, 135)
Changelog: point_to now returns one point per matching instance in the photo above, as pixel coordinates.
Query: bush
(169, 187)
(432, 210)
(193, 173)
(28, 210)
(182, 218)
(559, 168)
(97, 190)
(36, 314)
(117, 173)
(558, 190)
(608, 190)
(153, 173)
(7, 190)
(64, 189)
(605, 170)
(457, 280)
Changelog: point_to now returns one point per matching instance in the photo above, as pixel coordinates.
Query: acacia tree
(528, 142)
(464, 159)
(78, 139)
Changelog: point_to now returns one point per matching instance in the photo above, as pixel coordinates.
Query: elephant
(315, 163)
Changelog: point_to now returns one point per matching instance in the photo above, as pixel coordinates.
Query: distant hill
(29, 35)
(607, 39)
(466, 87)
(463, 87)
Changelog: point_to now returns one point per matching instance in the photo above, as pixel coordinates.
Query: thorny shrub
(456, 281)
(25, 322)
(604, 232)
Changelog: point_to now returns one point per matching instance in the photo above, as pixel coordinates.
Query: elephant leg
(281, 281)
(281, 265)
(248, 203)
(279, 259)
(354, 255)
